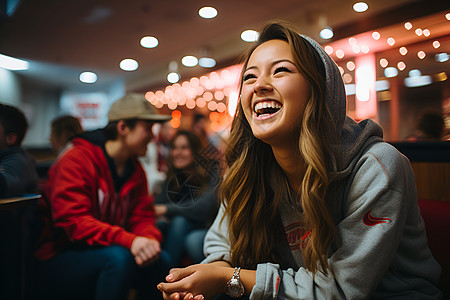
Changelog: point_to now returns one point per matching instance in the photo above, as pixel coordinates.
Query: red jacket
(83, 207)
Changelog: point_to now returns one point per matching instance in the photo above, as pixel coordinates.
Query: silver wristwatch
(235, 288)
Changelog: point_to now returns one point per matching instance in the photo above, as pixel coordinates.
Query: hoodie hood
(352, 137)
(96, 137)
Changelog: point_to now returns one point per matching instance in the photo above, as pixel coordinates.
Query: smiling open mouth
(266, 108)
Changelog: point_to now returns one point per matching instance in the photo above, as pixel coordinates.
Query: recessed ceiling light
(88, 77)
(326, 33)
(418, 81)
(360, 6)
(206, 62)
(173, 77)
(129, 64)
(207, 12)
(414, 73)
(189, 61)
(390, 72)
(442, 57)
(249, 36)
(149, 42)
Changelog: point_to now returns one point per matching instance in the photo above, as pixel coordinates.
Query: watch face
(235, 289)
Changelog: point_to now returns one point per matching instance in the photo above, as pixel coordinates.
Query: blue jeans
(194, 245)
(176, 234)
(98, 273)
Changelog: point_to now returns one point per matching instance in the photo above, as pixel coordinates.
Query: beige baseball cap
(134, 106)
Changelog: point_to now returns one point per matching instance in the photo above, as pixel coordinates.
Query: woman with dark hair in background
(188, 202)
(314, 205)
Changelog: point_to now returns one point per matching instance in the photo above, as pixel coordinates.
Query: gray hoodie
(380, 248)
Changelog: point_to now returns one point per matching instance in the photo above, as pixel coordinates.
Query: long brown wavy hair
(251, 201)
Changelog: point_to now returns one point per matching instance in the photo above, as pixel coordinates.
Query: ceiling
(63, 38)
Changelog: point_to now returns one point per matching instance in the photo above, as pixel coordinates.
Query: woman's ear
(11, 139)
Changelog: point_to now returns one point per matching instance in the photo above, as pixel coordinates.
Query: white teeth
(267, 104)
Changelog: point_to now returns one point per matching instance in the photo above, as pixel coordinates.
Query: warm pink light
(204, 80)
(190, 103)
(376, 35)
(384, 62)
(419, 31)
(401, 66)
(352, 41)
(329, 50)
(233, 102)
(350, 66)
(149, 95)
(212, 105)
(403, 50)
(195, 81)
(426, 32)
(391, 41)
(365, 49)
(366, 106)
(221, 107)
(408, 25)
(340, 53)
(172, 105)
(436, 44)
(200, 102)
(421, 54)
(219, 95)
(208, 96)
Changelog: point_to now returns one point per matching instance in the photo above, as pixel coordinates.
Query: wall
(9, 88)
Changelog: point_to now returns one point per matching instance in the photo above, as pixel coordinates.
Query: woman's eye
(249, 76)
(281, 69)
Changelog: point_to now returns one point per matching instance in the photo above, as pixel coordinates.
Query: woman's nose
(262, 85)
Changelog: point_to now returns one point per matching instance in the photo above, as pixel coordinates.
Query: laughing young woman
(314, 205)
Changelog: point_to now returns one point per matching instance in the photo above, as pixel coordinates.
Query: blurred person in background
(17, 168)
(187, 203)
(62, 130)
(165, 135)
(155, 161)
(18, 177)
(430, 128)
(100, 237)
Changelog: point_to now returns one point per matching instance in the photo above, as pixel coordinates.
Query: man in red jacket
(100, 238)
